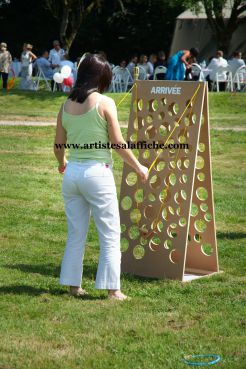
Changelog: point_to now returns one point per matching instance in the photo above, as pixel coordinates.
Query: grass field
(226, 109)
(43, 328)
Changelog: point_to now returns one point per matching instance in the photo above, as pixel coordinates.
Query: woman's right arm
(185, 56)
(110, 112)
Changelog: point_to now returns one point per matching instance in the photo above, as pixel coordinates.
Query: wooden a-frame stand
(168, 223)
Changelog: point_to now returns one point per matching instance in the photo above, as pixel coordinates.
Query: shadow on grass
(89, 271)
(28, 290)
(231, 235)
(137, 279)
(35, 291)
(50, 269)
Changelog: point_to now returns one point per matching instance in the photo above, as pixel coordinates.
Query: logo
(166, 90)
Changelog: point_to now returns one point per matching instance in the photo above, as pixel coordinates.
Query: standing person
(175, 68)
(27, 58)
(56, 55)
(88, 183)
(5, 61)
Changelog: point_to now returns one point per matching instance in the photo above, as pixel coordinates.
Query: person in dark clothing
(161, 62)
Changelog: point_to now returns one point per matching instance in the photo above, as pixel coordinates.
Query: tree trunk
(224, 40)
(68, 40)
(223, 29)
(71, 13)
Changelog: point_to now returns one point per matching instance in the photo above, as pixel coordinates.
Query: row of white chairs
(223, 74)
(122, 78)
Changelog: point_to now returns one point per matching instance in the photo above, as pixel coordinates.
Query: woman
(176, 69)
(88, 186)
(5, 61)
(27, 58)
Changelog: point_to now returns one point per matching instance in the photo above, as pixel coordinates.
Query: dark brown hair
(194, 52)
(94, 74)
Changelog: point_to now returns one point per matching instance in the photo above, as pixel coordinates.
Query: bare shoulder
(107, 107)
(107, 101)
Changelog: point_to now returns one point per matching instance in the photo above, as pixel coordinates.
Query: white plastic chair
(239, 78)
(159, 70)
(196, 71)
(223, 74)
(41, 77)
(121, 79)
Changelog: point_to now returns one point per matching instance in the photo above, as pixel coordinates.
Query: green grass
(43, 328)
(226, 109)
(43, 105)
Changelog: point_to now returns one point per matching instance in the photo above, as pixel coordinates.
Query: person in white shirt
(213, 66)
(56, 55)
(236, 62)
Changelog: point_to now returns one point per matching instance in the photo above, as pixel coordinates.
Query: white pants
(89, 187)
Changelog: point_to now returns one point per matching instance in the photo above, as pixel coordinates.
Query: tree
(222, 28)
(70, 13)
(118, 27)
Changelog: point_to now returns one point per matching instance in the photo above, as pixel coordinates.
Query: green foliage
(140, 26)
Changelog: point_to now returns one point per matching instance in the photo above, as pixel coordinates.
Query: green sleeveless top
(86, 135)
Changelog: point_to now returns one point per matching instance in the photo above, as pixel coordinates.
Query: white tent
(193, 30)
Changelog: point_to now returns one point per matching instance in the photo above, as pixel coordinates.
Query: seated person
(161, 62)
(132, 64)
(143, 62)
(69, 63)
(236, 62)
(191, 75)
(151, 64)
(45, 65)
(219, 61)
(161, 59)
(122, 63)
(66, 61)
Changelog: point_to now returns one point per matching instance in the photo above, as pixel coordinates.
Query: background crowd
(154, 66)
